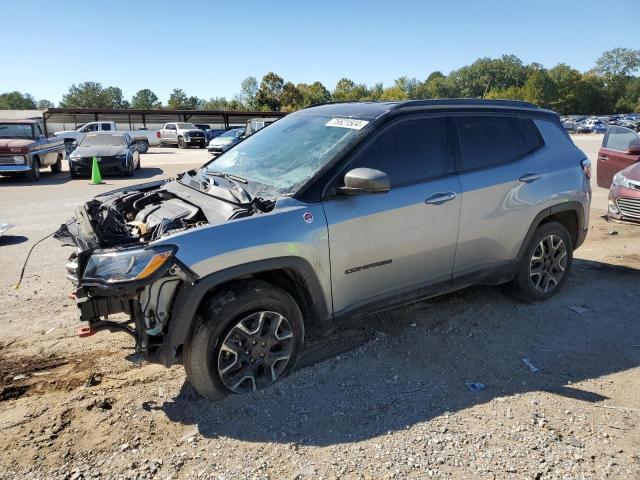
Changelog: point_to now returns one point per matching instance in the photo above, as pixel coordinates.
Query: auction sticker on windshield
(352, 123)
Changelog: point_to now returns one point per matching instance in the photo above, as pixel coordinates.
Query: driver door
(392, 247)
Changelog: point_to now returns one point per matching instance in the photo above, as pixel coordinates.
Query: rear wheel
(544, 268)
(34, 174)
(57, 167)
(246, 343)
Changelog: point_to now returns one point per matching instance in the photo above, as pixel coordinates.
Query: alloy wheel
(255, 352)
(548, 263)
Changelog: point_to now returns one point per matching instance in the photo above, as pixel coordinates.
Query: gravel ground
(387, 397)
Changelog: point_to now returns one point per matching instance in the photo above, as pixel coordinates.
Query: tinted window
(488, 141)
(106, 126)
(408, 152)
(530, 135)
(619, 138)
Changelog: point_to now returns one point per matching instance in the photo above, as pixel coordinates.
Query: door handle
(440, 198)
(603, 157)
(530, 177)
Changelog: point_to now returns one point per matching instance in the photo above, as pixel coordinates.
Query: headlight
(19, 159)
(620, 180)
(127, 265)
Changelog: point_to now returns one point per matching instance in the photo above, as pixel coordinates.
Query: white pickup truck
(144, 138)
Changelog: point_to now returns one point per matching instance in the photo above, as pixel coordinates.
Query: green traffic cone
(96, 178)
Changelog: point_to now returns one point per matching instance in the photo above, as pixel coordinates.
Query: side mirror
(364, 180)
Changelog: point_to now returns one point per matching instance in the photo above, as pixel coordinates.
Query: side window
(531, 136)
(106, 126)
(487, 141)
(39, 131)
(619, 138)
(91, 128)
(408, 152)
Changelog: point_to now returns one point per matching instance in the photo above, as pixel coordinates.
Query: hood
(192, 130)
(100, 151)
(632, 172)
(222, 141)
(6, 144)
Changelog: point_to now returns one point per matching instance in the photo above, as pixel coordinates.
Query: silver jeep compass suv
(331, 213)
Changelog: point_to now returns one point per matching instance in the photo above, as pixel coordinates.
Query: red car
(619, 170)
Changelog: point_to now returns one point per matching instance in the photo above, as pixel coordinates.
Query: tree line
(610, 87)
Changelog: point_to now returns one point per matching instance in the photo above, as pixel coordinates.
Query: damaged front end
(119, 268)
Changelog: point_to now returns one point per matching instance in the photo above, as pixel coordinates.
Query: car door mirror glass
(364, 180)
(634, 146)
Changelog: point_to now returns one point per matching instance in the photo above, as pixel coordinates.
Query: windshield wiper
(236, 180)
(228, 176)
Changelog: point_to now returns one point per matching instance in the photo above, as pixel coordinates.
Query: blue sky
(207, 48)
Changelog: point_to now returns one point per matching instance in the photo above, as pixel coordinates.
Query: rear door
(394, 246)
(613, 155)
(504, 186)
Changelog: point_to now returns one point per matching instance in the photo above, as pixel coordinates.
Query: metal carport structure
(133, 119)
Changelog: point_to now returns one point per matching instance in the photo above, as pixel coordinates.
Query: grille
(8, 159)
(629, 207)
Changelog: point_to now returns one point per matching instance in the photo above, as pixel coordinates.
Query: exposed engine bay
(122, 223)
(156, 210)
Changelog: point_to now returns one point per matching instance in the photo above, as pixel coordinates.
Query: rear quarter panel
(561, 160)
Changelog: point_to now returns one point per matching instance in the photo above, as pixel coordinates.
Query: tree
(348, 91)
(85, 95)
(568, 85)
(407, 85)
(393, 93)
(313, 94)
(268, 94)
(145, 99)
(179, 100)
(248, 90)
(539, 88)
(619, 62)
(114, 98)
(216, 103)
(43, 104)
(291, 98)
(17, 101)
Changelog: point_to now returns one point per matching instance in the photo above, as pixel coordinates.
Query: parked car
(624, 194)
(255, 124)
(569, 125)
(183, 135)
(142, 137)
(591, 126)
(115, 152)
(225, 141)
(333, 212)
(620, 149)
(24, 149)
(206, 128)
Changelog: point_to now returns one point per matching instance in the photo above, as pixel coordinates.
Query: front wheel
(244, 344)
(181, 143)
(34, 174)
(544, 268)
(57, 167)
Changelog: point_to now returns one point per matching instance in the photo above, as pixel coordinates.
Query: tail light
(158, 134)
(586, 168)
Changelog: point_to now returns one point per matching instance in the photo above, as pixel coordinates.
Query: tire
(138, 164)
(202, 145)
(248, 311)
(33, 175)
(143, 147)
(57, 167)
(181, 143)
(545, 266)
(73, 174)
(132, 169)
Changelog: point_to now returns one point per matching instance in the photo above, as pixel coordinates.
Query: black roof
(371, 110)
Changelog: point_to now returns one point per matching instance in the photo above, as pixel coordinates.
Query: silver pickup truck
(182, 134)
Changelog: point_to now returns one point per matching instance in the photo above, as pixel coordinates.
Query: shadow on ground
(415, 362)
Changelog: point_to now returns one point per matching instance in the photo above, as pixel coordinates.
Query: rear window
(488, 141)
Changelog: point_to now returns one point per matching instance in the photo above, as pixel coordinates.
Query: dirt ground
(387, 397)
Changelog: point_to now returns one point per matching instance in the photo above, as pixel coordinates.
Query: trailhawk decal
(352, 123)
(368, 266)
